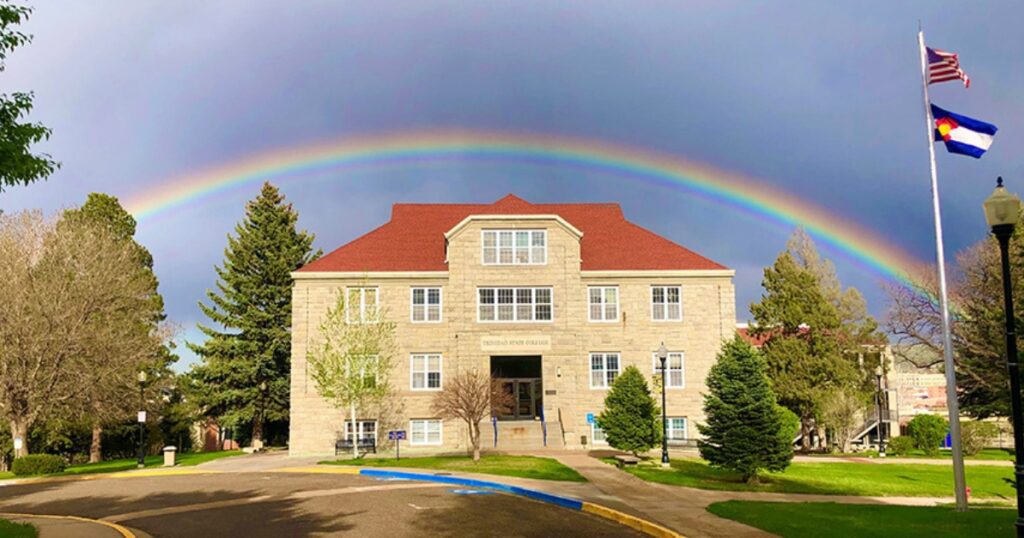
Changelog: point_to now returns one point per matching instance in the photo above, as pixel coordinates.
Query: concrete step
(522, 435)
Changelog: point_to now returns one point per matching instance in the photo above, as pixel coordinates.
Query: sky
(816, 99)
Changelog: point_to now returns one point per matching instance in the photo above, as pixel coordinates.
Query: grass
(184, 460)
(998, 454)
(9, 529)
(519, 466)
(894, 479)
(800, 520)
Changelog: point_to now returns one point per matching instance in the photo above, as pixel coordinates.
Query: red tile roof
(413, 240)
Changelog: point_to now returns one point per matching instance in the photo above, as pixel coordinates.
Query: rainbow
(745, 194)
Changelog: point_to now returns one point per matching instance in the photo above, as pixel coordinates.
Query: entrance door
(523, 405)
(525, 402)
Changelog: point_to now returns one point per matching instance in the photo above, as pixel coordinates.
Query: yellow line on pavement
(647, 527)
(158, 472)
(319, 470)
(124, 532)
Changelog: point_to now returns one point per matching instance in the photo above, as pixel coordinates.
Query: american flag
(945, 66)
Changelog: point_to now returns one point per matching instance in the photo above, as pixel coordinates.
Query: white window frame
(426, 433)
(603, 291)
(594, 428)
(513, 248)
(606, 383)
(669, 429)
(359, 428)
(669, 369)
(349, 318)
(665, 303)
(515, 304)
(424, 358)
(426, 304)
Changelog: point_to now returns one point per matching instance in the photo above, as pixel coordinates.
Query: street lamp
(142, 419)
(1002, 210)
(663, 356)
(881, 402)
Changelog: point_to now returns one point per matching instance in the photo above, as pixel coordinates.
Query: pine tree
(745, 430)
(630, 419)
(244, 377)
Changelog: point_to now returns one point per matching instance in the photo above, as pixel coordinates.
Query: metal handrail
(494, 422)
(543, 427)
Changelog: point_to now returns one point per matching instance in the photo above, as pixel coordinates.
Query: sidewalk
(74, 527)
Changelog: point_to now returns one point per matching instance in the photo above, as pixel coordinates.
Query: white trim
(603, 303)
(604, 368)
(593, 436)
(465, 222)
(358, 430)
(426, 434)
(666, 287)
(325, 275)
(686, 428)
(362, 318)
(426, 304)
(515, 304)
(669, 370)
(497, 245)
(426, 372)
(656, 273)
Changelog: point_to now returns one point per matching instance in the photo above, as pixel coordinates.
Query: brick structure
(584, 285)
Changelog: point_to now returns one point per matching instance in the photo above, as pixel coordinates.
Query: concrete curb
(647, 527)
(122, 530)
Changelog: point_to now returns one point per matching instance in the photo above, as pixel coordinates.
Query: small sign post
(397, 436)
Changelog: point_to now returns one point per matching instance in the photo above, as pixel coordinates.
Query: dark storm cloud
(820, 100)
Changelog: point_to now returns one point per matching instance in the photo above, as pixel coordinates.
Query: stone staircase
(521, 435)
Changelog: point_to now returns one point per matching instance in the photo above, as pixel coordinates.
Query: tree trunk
(355, 432)
(96, 447)
(474, 440)
(805, 435)
(257, 432)
(19, 430)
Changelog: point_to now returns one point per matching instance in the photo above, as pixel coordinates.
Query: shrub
(746, 430)
(975, 435)
(901, 445)
(928, 431)
(38, 464)
(631, 420)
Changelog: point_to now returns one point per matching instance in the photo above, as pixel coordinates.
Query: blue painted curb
(565, 502)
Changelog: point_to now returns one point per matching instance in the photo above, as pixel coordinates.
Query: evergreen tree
(631, 420)
(244, 377)
(746, 429)
(815, 331)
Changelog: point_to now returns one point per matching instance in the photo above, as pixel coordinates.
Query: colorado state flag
(963, 135)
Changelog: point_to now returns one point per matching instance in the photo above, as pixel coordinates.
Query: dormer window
(515, 247)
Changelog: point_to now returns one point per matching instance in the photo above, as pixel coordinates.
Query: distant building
(554, 300)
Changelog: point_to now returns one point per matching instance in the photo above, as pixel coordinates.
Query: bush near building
(38, 464)
(900, 446)
(976, 435)
(927, 431)
(630, 419)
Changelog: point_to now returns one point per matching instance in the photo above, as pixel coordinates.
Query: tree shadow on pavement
(502, 515)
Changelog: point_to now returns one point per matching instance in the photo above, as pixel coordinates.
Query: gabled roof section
(414, 239)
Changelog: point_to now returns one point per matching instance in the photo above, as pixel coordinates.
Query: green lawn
(9, 529)
(910, 479)
(1002, 454)
(113, 466)
(520, 466)
(799, 520)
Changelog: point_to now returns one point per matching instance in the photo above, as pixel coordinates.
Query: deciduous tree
(352, 364)
(18, 165)
(246, 366)
(471, 396)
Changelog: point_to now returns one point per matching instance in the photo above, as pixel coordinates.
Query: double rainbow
(745, 194)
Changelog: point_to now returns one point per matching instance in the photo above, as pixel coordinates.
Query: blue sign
(590, 418)
(396, 435)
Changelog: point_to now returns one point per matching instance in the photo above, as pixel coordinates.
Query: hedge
(38, 464)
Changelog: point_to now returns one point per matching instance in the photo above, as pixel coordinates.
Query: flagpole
(959, 482)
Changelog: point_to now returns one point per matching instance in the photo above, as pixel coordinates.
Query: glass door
(524, 399)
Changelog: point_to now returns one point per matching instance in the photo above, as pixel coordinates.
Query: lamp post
(1002, 210)
(142, 419)
(882, 408)
(663, 356)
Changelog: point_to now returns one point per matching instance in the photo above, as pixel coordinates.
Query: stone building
(554, 300)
